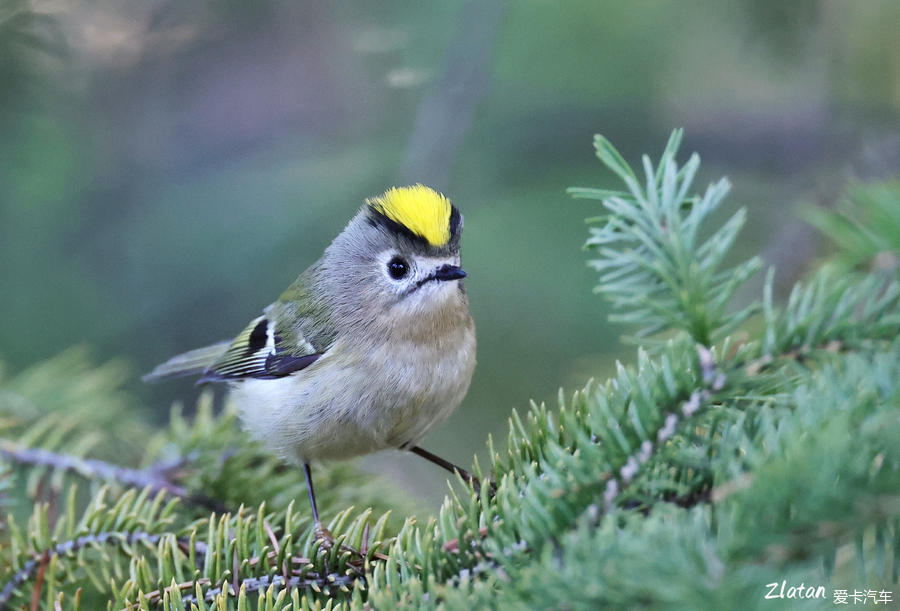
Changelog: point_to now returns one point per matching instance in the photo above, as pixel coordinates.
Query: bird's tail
(190, 363)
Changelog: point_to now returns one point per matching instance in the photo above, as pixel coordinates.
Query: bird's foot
(324, 536)
(477, 484)
(327, 542)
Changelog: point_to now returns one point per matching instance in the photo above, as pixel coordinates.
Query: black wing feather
(258, 352)
(284, 364)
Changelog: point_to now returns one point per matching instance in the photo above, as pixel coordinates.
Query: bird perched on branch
(367, 350)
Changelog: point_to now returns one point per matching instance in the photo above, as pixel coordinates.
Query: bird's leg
(449, 466)
(321, 532)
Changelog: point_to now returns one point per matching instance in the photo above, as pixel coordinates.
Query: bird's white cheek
(432, 297)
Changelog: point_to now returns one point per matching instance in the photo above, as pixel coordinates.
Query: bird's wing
(260, 352)
(269, 347)
(257, 352)
(188, 364)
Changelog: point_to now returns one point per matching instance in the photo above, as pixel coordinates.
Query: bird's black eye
(398, 268)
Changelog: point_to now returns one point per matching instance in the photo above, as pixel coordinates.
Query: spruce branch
(133, 517)
(865, 225)
(310, 582)
(689, 479)
(675, 418)
(653, 268)
(157, 477)
(209, 594)
(834, 306)
(30, 567)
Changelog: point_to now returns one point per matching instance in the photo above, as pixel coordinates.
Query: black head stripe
(378, 219)
(455, 222)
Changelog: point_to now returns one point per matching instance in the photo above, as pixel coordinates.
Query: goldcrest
(371, 346)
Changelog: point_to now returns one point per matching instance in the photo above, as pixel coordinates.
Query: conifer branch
(156, 477)
(653, 268)
(309, 581)
(30, 568)
(703, 459)
(713, 380)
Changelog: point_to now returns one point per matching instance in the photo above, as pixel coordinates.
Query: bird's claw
(324, 536)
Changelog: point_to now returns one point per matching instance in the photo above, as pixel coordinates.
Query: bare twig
(156, 476)
(39, 582)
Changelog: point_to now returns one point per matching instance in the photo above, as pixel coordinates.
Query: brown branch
(39, 582)
(156, 476)
(89, 468)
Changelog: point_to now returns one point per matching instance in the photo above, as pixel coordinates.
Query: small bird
(367, 350)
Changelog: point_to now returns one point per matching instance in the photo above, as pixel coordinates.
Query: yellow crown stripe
(423, 211)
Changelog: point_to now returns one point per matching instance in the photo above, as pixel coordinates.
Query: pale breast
(359, 399)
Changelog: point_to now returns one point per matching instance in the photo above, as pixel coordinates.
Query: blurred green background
(168, 167)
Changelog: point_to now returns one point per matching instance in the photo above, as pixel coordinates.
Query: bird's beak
(448, 272)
